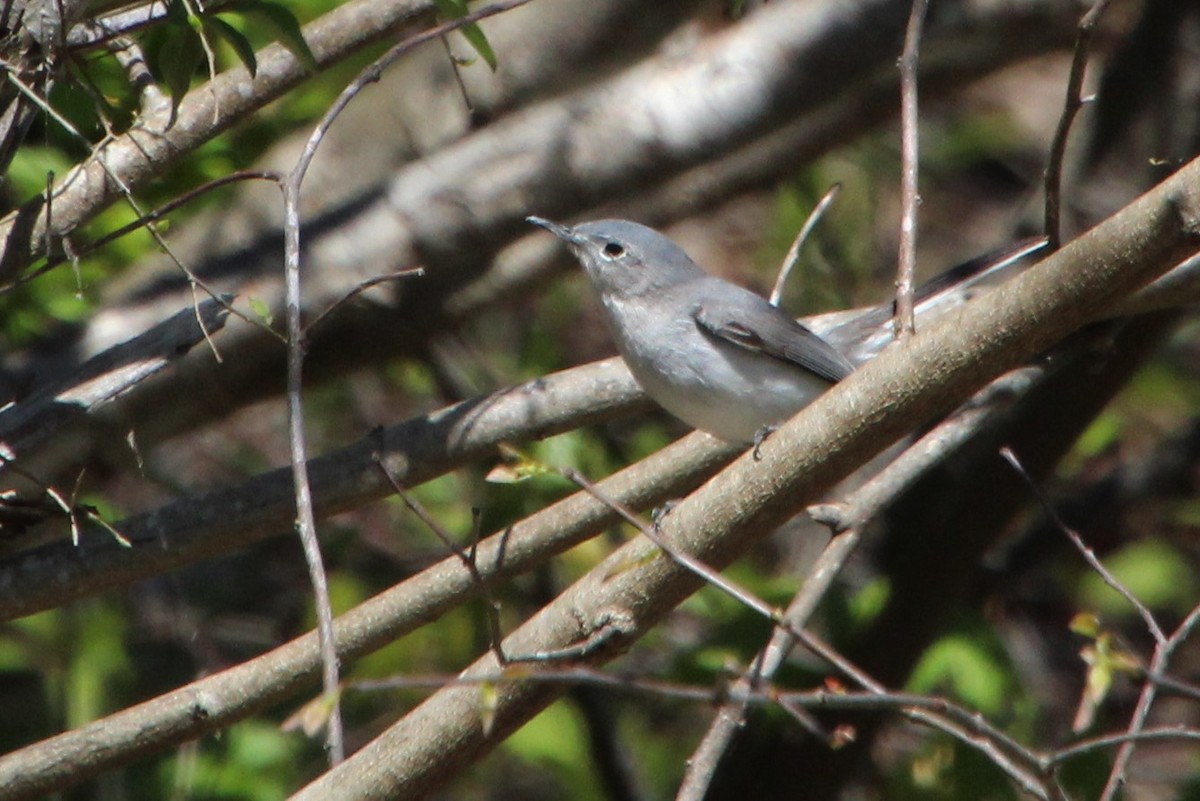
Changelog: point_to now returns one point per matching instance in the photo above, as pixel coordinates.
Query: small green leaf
(1085, 625)
(504, 474)
(474, 34)
(283, 21)
(261, 310)
(1095, 688)
(1105, 658)
(517, 466)
(969, 664)
(1117, 657)
(456, 9)
(314, 715)
(220, 29)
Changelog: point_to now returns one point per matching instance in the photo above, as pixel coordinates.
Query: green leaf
(504, 474)
(1153, 570)
(314, 715)
(181, 54)
(283, 21)
(1085, 625)
(453, 9)
(517, 466)
(970, 666)
(456, 9)
(220, 29)
(261, 310)
(474, 34)
(177, 13)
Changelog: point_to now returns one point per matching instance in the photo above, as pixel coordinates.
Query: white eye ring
(613, 250)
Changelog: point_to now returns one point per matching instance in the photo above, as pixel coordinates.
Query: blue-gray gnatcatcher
(712, 353)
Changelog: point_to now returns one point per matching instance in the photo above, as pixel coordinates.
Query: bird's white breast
(728, 391)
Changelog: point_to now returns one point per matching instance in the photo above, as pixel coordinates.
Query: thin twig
(358, 290)
(906, 262)
(194, 281)
(1071, 105)
(793, 255)
(1137, 724)
(458, 78)
(1108, 741)
(1088, 554)
(1174, 686)
(143, 220)
(612, 628)
(71, 509)
(306, 524)
(305, 517)
(491, 608)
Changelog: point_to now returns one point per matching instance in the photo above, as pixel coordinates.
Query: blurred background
(598, 108)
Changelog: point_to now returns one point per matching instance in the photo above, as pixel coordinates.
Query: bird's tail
(861, 333)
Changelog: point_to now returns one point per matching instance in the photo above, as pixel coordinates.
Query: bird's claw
(760, 437)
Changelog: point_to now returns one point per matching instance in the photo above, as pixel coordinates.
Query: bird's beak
(563, 232)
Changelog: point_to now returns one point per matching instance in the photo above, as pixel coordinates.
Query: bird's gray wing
(772, 333)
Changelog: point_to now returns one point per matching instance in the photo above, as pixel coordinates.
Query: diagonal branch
(413, 452)
(217, 701)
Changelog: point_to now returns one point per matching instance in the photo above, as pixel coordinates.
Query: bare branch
(793, 255)
(414, 452)
(102, 379)
(1071, 105)
(217, 701)
(846, 519)
(910, 199)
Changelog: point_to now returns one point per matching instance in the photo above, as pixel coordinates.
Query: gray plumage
(712, 353)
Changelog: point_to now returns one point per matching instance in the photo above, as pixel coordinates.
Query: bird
(714, 354)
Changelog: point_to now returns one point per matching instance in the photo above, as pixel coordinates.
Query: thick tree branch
(104, 378)
(413, 452)
(217, 701)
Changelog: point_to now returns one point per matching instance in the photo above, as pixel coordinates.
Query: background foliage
(1005, 648)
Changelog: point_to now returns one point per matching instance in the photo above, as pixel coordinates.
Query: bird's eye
(614, 250)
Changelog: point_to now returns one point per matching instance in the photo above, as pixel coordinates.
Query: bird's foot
(660, 512)
(760, 437)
